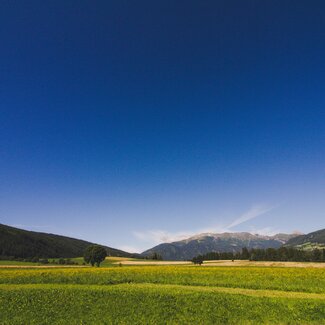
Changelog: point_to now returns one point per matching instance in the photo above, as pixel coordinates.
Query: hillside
(25, 244)
(225, 242)
(312, 240)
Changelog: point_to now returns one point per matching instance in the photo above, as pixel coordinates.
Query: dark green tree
(156, 256)
(245, 254)
(317, 255)
(268, 254)
(198, 260)
(95, 254)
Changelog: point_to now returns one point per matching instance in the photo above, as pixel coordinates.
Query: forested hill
(16, 242)
(312, 240)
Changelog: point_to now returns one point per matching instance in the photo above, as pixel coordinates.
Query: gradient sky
(129, 123)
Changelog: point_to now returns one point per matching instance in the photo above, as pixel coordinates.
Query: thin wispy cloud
(252, 213)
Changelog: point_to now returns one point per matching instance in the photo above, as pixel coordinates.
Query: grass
(163, 295)
(18, 263)
(109, 261)
(270, 278)
(149, 304)
(308, 246)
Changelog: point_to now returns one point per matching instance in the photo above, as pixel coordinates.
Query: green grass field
(17, 263)
(162, 295)
(109, 261)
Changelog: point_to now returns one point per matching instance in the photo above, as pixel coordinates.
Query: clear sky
(133, 122)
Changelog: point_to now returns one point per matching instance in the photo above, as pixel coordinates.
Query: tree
(245, 254)
(198, 260)
(95, 254)
(317, 255)
(61, 261)
(270, 254)
(156, 256)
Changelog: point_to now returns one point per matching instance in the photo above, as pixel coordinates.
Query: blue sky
(129, 123)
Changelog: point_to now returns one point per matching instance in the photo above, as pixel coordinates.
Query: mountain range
(19, 243)
(210, 242)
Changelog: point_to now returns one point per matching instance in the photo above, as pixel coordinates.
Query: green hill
(312, 240)
(16, 243)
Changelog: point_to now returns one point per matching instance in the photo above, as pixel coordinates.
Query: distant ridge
(26, 244)
(315, 239)
(209, 242)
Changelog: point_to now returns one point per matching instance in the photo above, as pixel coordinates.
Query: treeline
(59, 261)
(269, 254)
(155, 256)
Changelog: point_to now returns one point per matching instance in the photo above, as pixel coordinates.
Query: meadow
(174, 294)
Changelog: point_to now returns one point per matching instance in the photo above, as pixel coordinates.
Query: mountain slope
(23, 243)
(225, 242)
(308, 241)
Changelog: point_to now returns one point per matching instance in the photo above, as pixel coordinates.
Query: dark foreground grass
(162, 295)
(150, 304)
